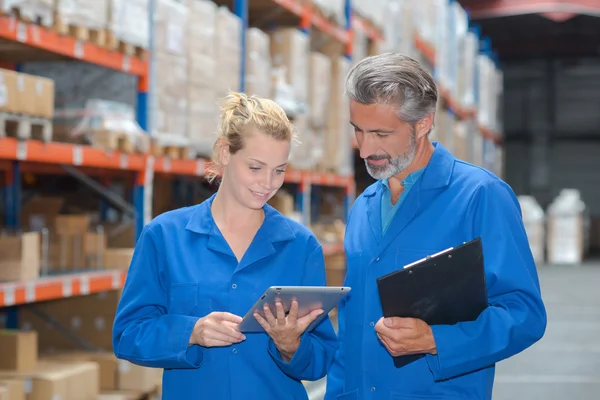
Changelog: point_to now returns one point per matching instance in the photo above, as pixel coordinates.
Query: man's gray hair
(394, 79)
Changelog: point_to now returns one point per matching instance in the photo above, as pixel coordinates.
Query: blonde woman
(196, 270)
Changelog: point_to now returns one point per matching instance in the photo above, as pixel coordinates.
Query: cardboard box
(19, 350)
(8, 91)
(41, 212)
(15, 389)
(20, 256)
(43, 95)
(115, 374)
(319, 89)
(118, 258)
(75, 224)
(4, 395)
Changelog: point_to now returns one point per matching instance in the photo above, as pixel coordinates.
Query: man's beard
(394, 165)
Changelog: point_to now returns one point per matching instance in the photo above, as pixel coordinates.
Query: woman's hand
(217, 329)
(286, 331)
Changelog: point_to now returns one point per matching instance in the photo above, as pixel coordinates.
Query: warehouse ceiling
(539, 28)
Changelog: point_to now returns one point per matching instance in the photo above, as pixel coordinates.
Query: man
(425, 201)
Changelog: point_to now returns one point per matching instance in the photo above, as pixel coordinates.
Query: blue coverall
(182, 270)
(452, 202)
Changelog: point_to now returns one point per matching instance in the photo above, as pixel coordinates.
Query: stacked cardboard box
(228, 60)
(26, 94)
(19, 256)
(23, 374)
(258, 63)
(128, 20)
(202, 75)
(171, 71)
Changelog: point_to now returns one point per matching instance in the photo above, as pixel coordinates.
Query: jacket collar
(275, 228)
(437, 173)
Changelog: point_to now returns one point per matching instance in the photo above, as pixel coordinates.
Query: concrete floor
(565, 364)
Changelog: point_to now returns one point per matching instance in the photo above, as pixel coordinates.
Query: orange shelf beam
(45, 39)
(304, 12)
(372, 32)
(60, 287)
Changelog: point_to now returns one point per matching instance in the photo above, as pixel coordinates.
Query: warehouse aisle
(565, 364)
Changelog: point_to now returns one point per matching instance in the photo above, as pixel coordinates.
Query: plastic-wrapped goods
(441, 18)
(534, 220)
(201, 46)
(171, 102)
(468, 48)
(477, 148)
(35, 10)
(258, 63)
(487, 90)
(128, 22)
(360, 45)
(462, 141)
(332, 9)
(459, 26)
(305, 152)
(567, 227)
(371, 10)
(203, 112)
(228, 28)
(283, 93)
(105, 124)
(319, 89)
(290, 49)
(337, 148)
(91, 14)
(171, 48)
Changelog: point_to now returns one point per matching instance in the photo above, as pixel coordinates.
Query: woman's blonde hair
(240, 114)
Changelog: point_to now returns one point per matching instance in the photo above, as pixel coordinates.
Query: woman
(197, 270)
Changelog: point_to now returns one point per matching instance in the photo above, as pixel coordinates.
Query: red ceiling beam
(557, 10)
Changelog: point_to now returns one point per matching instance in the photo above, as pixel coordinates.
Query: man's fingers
(227, 332)
(217, 343)
(263, 322)
(280, 313)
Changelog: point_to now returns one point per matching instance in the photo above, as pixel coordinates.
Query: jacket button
(377, 259)
(234, 286)
(234, 351)
(373, 388)
(372, 323)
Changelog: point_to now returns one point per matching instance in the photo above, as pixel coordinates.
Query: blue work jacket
(183, 269)
(453, 202)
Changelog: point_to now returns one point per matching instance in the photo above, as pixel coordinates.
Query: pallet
(176, 152)
(83, 33)
(115, 44)
(25, 127)
(31, 15)
(113, 141)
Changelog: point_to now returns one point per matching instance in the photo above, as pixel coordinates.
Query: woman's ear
(224, 154)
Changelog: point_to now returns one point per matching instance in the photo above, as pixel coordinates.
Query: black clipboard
(442, 289)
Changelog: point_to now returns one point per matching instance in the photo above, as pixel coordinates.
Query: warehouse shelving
(22, 42)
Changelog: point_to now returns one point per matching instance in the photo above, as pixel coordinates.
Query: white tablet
(309, 298)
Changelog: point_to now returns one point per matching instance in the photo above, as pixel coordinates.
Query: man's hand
(405, 336)
(286, 330)
(217, 329)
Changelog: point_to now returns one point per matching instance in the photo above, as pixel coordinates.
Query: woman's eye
(280, 171)
(254, 169)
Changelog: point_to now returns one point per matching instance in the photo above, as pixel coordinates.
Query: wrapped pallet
(567, 227)
(337, 144)
(290, 50)
(92, 14)
(334, 10)
(228, 33)
(258, 63)
(319, 89)
(305, 153)
(171, 71)
(35, 10)
(203, 110)
(534, 220)
(128, 22)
